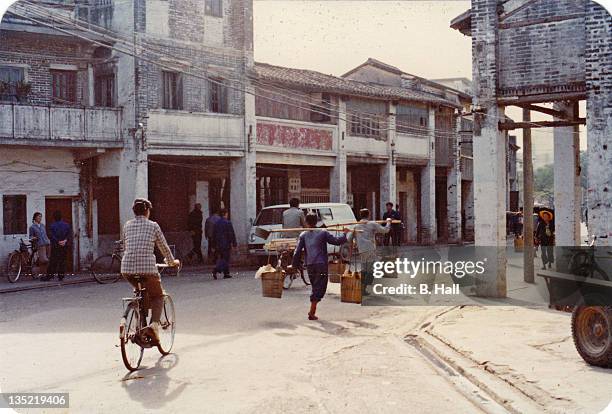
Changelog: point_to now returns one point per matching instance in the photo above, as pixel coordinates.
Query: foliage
(543, 185)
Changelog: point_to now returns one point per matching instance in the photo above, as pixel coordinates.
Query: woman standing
(545, 233)
(40, 242)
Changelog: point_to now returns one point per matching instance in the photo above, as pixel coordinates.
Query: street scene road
(236, 351)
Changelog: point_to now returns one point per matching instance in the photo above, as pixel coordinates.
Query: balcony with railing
(60, 126)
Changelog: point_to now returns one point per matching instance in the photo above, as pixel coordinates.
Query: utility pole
(528, 249)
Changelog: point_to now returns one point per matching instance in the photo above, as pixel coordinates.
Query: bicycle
(107, 269)
(134, 333)
(285, 257)
(583, 262)
(21, 260)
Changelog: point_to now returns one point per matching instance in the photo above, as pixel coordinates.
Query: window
(321, 111)
(172, 84)
(9, 77)
(214, 8)
(105, 88)
(63, 85)
(412, 119)
(368, 126)
(14, 213)
(217, 96)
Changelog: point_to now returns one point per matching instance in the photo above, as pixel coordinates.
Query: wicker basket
(335, 271)
(272, 284)
(350, 289)
(519, 243)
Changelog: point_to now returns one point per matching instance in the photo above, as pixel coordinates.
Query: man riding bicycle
(139, 237)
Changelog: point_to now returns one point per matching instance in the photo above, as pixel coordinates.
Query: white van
(271, 217)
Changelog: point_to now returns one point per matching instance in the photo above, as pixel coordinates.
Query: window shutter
(179, 91)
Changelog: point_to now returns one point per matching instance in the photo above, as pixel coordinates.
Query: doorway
(64, 206)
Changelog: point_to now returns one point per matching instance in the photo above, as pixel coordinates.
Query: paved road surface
(234, 352)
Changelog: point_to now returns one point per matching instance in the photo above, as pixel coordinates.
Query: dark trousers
(393, 237)
(212, 255)
(154, 293)
(57, 262)
(223, 261)
(548, 254)
(197, 245)
(317, 273)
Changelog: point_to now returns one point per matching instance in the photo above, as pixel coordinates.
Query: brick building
(525, 53)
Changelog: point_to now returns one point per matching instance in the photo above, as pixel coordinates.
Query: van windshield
(269, 216)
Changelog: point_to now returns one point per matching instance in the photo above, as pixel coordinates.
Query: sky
(335, 36)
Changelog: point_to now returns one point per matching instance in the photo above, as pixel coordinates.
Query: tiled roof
(313, 81)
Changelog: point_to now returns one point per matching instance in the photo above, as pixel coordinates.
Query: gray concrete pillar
(339, 176)
(388, 176)
(468, 209)
(133, 177)
(453, 182)
(567, 191)
(243, 203)
(428, 187)
(90, 85)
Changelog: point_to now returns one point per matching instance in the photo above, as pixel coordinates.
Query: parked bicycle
(285, 256)
(21, 261)
(134, 333)
(583, 262)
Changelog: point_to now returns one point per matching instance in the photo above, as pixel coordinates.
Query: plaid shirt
(139, 238)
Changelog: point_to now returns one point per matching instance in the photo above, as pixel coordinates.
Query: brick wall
(38, 52)
(543, 47)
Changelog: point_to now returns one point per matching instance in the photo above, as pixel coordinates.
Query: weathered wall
(541, 48)
(37, 53)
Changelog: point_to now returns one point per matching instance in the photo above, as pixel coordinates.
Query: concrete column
(453, 181)
(567, 189)
(428, 187)
(339, 178)
(90, 85)
(243, 176)
(202, 197)
(489, 149)
(388, 176)
(468, 209)
(598, 55)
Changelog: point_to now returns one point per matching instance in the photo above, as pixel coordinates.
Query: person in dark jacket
(194, 224)
(60, 237)
(224, 239)
(396, 229)
(315, 245)
(209, 227)
(545, 233)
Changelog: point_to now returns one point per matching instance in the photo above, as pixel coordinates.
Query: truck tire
(592, 334)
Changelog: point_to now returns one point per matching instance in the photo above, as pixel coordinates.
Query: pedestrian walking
(293, 218)
(364, 238)
(40, 242)
(393, 237)
(224, 239)
(209, 227)
(315, 245)
(60, 237)
(194, 224)
(545, 233)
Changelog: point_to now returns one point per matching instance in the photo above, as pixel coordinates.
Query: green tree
(543, 185)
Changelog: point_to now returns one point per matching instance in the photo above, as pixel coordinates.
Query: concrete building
(353, 139)
(141, 98)
(525, 53)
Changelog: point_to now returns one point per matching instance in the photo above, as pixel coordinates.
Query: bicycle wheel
(106, 269)
(14, 267)
(288, 281)
(167, 328)
(131, 352)
(304, 279)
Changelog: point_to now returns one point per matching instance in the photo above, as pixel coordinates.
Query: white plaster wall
(36, 174)
(181, 128)
(410, 215)
(412, 146)
(363, 145)
(109, 164)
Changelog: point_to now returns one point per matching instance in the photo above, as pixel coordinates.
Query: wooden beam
(540, 98)
(528, 248)
(507, 126)
(547, 111)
